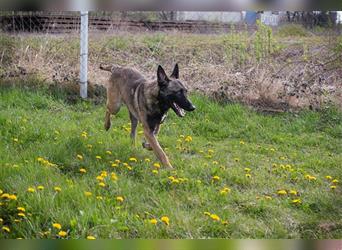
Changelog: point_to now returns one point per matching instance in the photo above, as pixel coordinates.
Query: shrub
(292, 30)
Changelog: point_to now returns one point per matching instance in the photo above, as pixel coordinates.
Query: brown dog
(147, 101)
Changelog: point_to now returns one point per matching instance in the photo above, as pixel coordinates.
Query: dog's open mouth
(178, 110)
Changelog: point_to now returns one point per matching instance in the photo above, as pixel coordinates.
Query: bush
(292, 30)
(7, 49)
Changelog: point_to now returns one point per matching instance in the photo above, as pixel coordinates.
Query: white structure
(214, 16)
(272, 18)
(84, 55)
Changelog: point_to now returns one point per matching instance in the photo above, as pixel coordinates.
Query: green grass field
(237, 173)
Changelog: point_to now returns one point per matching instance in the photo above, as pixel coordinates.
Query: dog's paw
(107, 125)
(147, 146)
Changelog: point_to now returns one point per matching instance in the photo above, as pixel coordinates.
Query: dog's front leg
(150, 137)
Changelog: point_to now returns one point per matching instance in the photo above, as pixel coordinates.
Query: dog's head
(173, 92)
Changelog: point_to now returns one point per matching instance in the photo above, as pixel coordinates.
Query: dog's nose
(192, 108)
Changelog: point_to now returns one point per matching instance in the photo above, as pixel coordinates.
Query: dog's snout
(192, 108)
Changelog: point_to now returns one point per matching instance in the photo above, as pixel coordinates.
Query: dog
(148, 102)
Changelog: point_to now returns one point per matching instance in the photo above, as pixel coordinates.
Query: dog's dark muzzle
(190, 108)
(180, 107)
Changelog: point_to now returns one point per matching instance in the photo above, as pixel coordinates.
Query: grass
(229, 163)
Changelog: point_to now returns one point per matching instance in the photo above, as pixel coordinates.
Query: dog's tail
(109, 68)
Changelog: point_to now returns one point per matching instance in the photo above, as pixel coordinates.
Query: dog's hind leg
(113, 107)
(134, 124)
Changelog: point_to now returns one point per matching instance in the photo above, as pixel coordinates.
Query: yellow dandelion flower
(89, 146)
(215, 217)
(113, 176)
(31, 190)
(99, 197)
(282, 192)
(293, 192)
(21, 209)
(108, 152)
(6, 229)
(296, 201)
(166, 220)
(104, 173)
(40, 187)
(207, 213)
(156, 165)
(98, 157)
(267, 197)
(154, 171)
(83, 170)
(310, 177)
(171, 178)
(80, 157)
(215, 162)
(210, 151)
(21, 215)
(86, 193)
(114, 165)
(175, 181)
(129, 168)
(242, 142)
(15, 139)
(248, 175)
(333, 187)
(119, 198)
(215, 178)
(102, 184)
(57, 226)
(57, 189)
(62, 233)
(225, 191)
(188, 138)
(12, 197)
(117, 161)
(224, 222)
(328, 177)
(335, 181)
(5, 196)
(133, 159)
(247, 170)
(90, 237)
(99, 178)
(153, 221)
(1, 220)
(147, 160)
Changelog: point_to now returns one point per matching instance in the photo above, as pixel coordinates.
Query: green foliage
(7, 47)
(241, 49)
(41, 136)
(154, 43)
(118, 43)
(292, 30)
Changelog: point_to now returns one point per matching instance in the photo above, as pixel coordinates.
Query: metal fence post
(84, 55)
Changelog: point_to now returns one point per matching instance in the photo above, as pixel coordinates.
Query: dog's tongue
(180, 111)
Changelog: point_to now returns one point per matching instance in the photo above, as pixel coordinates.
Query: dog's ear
(161, 76)
(175, 73)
